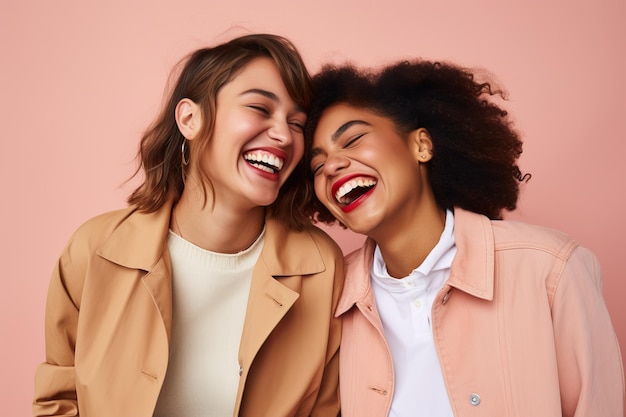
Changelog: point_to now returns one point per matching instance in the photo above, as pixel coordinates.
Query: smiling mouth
(264, 161)
(353, 189)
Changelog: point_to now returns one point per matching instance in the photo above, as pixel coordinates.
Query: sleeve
(327, 403)
(55, 386)
(591, 375)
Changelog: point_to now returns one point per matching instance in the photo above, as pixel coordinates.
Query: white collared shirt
(405, 307)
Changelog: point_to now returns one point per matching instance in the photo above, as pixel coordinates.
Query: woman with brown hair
(211, 294)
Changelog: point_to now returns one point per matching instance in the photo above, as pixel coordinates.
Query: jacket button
(474, 399)
(240, 370)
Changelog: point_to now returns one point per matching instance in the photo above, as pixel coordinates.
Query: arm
(55, 387)
(589, 362)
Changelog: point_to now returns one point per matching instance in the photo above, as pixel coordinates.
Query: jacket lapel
(159, 283)
(268, 303)
(139, 242)
(287, 257)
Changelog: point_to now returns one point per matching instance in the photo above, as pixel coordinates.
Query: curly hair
(475, 147)
(204, 72)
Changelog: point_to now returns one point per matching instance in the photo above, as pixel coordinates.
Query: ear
(421, 145)
(188, 118)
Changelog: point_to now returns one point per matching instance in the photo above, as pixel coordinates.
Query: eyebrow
(341, 129)
(337, 133)
(271, 96)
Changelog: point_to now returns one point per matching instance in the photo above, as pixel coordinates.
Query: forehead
(259, 71)
(260, 76)
(343, 110)
(341, 117)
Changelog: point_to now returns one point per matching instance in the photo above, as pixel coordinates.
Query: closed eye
(353, 140)
(317, 168)
(297, 125)
(261, 109)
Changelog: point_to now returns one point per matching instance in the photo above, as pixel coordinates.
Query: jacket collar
(356, 287)
(139, 241)
(283, 251)
(472, 269)
(473, 266)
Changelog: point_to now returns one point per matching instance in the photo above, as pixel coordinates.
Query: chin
(359, 227)
(363, 223)
(265, 201)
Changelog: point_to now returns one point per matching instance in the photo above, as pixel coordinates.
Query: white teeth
(352, 184)
(267, 161)
(263, 168)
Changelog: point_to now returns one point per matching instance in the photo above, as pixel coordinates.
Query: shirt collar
(472, 269)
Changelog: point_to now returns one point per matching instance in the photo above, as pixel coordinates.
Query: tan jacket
(520, 327)
(109, 315)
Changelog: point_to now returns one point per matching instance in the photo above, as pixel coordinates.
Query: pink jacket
(520, 327)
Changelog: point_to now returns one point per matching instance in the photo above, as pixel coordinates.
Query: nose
(281, 132)
(334, 164)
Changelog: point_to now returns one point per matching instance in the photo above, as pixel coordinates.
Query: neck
(406, 247)
(215, 227)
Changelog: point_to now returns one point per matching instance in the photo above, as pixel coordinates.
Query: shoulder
(81, 248)
(310, 238)
(96, 230)
(329, 251)
(324, 241)
(548, 249)
(509, 234)
(552, 255)
(105, 221)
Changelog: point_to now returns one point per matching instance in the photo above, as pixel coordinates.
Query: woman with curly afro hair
(447, 309)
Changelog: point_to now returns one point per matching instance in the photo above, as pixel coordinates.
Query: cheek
(297, 152)
(245, 128)
(320, 189)
(370, 155)
(298, 147)
(235, 124)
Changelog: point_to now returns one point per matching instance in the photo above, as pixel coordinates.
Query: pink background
(80, 80)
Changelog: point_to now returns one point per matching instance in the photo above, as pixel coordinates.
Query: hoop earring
(183, 151)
